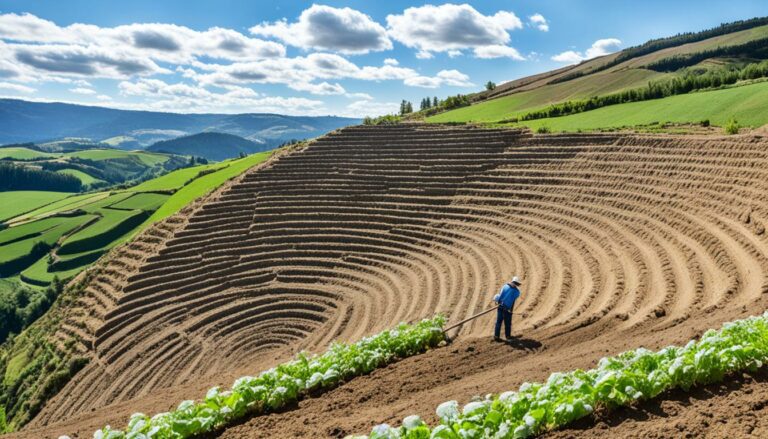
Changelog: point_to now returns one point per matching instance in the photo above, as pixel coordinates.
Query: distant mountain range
(24, 121)
(213, 146)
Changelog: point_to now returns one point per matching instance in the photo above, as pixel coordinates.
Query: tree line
(21, 178)
(690, 81)
(663, 43)
(754, 48)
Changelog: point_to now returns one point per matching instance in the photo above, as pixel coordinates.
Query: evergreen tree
(435, 102)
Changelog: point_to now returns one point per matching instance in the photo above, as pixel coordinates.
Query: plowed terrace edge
(622, 241)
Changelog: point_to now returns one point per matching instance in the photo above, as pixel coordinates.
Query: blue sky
(349, 58)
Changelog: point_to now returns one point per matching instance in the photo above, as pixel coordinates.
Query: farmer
(506, 300)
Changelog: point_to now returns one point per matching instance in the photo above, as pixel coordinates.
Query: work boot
(497, 339)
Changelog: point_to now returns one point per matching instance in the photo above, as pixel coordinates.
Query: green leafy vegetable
(285, 383)
(565, 397)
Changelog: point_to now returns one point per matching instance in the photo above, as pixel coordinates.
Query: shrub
(543, 130)
(732, 126)
(704, 123)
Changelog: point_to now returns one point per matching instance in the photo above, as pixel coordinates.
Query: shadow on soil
(526, 344)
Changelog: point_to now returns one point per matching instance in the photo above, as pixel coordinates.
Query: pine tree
(435, 102)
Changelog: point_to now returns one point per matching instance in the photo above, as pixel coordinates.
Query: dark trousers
(503, 315)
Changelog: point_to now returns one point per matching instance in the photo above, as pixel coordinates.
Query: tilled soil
(622, 241)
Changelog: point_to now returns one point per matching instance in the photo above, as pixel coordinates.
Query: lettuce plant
(631, 376)
(283, 384)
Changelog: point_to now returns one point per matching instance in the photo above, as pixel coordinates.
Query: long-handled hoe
(481, 313)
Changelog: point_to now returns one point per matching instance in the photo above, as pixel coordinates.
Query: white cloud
(104, 98)
(183, 97)
(323, 88)
(302, 73)
(16, 87)
(41, 49)
(539, 22)
(498, 51)
(444, 77)
(454, 53)
(83, 91)
(450, 27)
(368, 107)
(321, 27)
(391, 62)
(599, 48)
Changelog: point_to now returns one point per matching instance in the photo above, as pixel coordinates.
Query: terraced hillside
(621, 240)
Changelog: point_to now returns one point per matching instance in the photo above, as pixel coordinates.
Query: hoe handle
(470, 318)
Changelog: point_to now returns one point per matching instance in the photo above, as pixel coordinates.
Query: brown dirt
(622, 241)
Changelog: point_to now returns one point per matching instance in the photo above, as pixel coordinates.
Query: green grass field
(148, 158)
(27, 230)
(517, 104)
(747, 104)
(48, 233)
(114, 217)
(20, 153)
(84, 178)
(15, 203)
(143, 201)
(173, 180)
(111, 225)
(205, 184)
(68, 203)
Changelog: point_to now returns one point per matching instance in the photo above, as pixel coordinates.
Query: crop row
(631, 376)
(283, 384)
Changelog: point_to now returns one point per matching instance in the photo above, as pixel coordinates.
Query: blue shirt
(508, 295)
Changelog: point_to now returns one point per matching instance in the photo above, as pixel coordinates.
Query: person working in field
(506, 300)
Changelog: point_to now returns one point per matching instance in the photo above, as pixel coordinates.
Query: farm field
(118, 215)
(10, 205)
(610, 263)
(747, 104)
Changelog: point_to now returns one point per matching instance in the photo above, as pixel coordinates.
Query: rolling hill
(727, 48)
(23, 121)
(212, 146)
(622, 241)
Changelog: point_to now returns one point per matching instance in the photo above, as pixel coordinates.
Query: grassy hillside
(17, 202)
(630, 69)
(53, 235)
(212, 146)
(747, 104)
(80, 229)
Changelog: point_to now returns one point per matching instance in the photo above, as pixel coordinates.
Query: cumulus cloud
(16, 87)
(83, 91)
(311, 74)
(444, 77)
(539, 22)
(343, 30)
(369, 107)
(450, 27)
(498, 51)
(42, 48)
(184, 97)
(599, 48)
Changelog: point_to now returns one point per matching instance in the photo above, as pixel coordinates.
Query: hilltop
(23, 121)
(725, 57)
(212, 146)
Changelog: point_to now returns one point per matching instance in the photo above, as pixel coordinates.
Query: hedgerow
(634, 375)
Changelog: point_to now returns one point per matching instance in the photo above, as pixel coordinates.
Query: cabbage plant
(631, 376)
(284, 384)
